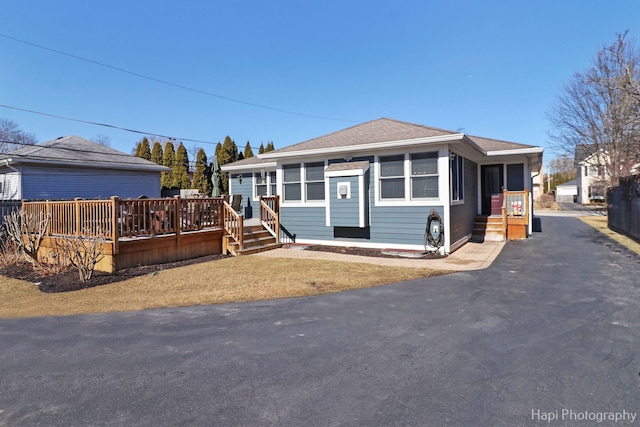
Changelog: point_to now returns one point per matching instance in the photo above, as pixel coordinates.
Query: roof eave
(256, 166)
(157, 168)
(364, 147)
(515, 151)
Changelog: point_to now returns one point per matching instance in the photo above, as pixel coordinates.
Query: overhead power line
(105, 125)
(167, 83)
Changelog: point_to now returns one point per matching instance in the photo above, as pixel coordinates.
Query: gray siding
(246, 189)
(42, 183)
(463, 215)
(344, 212)
(401, 224)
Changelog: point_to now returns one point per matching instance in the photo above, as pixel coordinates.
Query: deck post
(77, 209)
(178, 217)
(115, 231)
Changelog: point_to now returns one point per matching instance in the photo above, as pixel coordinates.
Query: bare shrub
(83, 252)
(10, 253)
(27, 232)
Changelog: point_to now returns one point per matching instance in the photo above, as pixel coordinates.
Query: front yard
(226, 280)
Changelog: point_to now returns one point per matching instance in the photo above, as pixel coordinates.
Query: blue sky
(288, 71)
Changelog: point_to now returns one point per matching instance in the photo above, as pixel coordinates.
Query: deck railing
(233, 225)
(516, 203)
(269, 215)
(115, 218)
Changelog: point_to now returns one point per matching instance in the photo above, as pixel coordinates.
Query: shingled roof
(76, 151)
(389, 130)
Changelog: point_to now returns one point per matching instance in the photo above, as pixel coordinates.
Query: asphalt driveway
(552, 328)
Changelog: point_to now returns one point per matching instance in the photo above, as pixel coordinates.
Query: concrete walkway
(472, 256)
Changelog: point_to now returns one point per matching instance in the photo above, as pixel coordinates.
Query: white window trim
(459, 201)
(268, 173)
(443, 179)
(303, 202)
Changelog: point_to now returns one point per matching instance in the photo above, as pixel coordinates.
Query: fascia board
(364, 147)
(92, 165)
(533, 150)
(258, 166)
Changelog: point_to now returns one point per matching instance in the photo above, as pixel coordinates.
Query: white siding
(10, 186)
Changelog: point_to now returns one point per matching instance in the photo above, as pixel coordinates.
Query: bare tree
(27, 231)
(102, 140)
(599, 111)
(12, 137)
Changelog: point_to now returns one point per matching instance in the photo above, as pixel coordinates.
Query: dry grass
(228, 280)
(600, 224)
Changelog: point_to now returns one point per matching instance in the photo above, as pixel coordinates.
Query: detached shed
(70, 167)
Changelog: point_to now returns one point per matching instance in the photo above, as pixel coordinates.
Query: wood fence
(623, 207)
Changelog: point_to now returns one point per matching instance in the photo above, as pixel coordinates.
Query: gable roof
(76, 151)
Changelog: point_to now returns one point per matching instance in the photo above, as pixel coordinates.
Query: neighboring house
(567, 192)
(70, 167)
(590, 176)
(375, 184)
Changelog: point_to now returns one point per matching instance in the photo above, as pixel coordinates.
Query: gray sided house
(70, 167)
(376, 184)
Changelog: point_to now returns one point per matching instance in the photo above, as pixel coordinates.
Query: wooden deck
(149, 231)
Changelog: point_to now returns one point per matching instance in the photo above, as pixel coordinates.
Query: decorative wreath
(431, 239)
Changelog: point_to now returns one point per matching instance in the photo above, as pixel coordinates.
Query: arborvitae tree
(269, 147)
(218, 150)
(168, 159)
(157, 153)
(248, 152)
(240, 156)
(143, 150)
(181, 168)
(201, 176)
(261, 149)
(228, 154)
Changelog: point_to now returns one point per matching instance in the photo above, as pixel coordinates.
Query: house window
(456, 163)
(265, 183)
(314, 180)
(392, 177)
(291, 183)
(424, 175)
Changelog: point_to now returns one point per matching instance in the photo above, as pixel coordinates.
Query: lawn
(245, 278)
(600, 224)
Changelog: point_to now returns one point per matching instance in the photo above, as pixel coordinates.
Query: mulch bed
(370, 252)
(69, 280)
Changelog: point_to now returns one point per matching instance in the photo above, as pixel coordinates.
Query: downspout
(530, 227)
